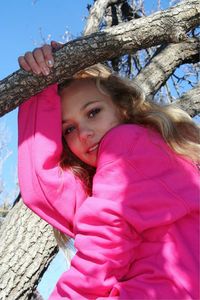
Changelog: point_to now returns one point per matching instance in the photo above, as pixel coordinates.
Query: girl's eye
(93, 112)
(68, 130)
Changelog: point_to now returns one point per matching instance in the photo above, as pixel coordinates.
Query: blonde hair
(176, 127)
(63, 242)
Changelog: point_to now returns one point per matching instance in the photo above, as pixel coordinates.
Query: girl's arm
(46, 189)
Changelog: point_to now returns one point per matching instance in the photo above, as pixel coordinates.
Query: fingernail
(46, 71)
(37, 72)
(50, 63)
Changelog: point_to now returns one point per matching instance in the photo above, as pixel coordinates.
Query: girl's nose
(85, 133)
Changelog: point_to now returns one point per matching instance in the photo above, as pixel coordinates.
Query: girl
(119, 175)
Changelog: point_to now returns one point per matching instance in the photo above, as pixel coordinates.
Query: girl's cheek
(66, 138)
(70, 140)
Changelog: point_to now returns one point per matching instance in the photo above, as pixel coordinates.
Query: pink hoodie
(137, 236)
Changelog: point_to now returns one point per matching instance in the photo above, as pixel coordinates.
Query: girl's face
(87, 115)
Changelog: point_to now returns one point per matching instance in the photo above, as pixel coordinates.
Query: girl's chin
(92, 161)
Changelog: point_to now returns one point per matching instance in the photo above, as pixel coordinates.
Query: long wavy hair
(176, 126)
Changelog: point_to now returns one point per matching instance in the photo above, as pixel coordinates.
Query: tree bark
(190, 101)
(95, 17)
(27, 247)
(169, 26)
(36, 296)
(162, 66)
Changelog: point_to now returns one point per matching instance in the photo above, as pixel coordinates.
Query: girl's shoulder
(123, 140)
(143, 143)
(126, 130)
(125, 137)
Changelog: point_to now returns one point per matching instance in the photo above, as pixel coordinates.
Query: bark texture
(27, 247)
(96, 15)
(169, 26)
(190, 101)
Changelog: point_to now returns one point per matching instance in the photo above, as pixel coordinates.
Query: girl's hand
(40, 60)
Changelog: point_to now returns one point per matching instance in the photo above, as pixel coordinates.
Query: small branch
(169, 96)
(175, 84)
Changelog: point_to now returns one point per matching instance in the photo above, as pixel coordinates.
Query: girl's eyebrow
(64, 121)
(82, 108)
(88, 103)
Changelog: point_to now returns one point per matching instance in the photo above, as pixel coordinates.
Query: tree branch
(190, 101)
(95, 17)
(162, 66)
(169, 26)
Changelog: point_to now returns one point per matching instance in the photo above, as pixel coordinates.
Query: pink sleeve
(48, 191)
(109, 225)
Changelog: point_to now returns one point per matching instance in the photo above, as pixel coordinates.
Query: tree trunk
(27, 247)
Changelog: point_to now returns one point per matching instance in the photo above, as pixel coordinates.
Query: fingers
(23, 64)
(56, 46)
(39, 61)
(29, 63)
(48, 57)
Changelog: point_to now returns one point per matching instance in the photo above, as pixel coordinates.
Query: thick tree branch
(190, 101)
(96, 14)
(169, 26)
(162, 66)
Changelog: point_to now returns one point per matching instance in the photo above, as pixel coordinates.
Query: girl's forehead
(80, 84)
(82, 90)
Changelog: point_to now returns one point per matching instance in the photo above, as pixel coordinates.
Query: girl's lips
(91, 149)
